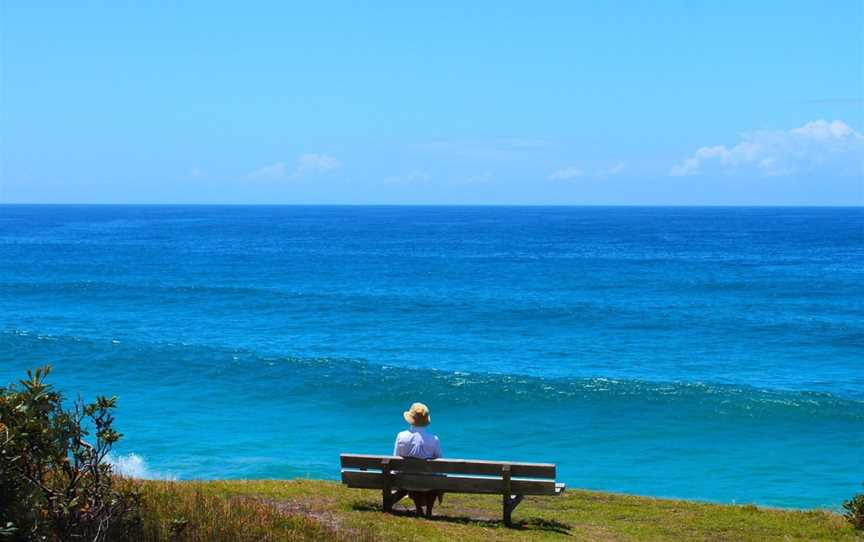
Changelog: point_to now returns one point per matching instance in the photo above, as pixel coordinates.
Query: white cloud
(273, 172)
(615, 169)
(574, 172)
(482, 177)
(416, 176)
(307, 164)
(566, 174)
(420, 178)
(820, 145)
(315, 163)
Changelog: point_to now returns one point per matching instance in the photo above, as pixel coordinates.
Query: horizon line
(623, 205)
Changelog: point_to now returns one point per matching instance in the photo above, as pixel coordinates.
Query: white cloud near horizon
(615, 169)
(273, 172)
(476, 178)
(414, 176)
(819, 145)
(566, 174)
(315, 163)
(307, 164)
(575, 172)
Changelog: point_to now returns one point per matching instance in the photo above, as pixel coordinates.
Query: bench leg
(391, 497)
(510, 504)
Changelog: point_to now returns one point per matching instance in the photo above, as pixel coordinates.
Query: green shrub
(854, 508)
(55, 484)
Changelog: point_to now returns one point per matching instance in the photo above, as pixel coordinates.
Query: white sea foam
(134, 466)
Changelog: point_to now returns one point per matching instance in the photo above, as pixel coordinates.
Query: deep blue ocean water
(703, 353)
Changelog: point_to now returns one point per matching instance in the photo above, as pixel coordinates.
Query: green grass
(319, 510)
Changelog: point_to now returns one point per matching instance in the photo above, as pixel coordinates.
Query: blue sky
(754, 103)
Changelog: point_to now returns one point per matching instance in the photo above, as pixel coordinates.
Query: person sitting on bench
(418, 442)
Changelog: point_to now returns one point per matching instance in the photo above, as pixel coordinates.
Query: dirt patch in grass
(317, 508)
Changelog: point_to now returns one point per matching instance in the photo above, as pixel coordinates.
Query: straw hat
(418, 415)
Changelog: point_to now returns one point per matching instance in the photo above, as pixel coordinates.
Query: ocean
(702, 353)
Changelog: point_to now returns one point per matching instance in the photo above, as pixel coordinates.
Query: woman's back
(417, 442)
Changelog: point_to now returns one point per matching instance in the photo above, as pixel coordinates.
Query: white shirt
(417, 442)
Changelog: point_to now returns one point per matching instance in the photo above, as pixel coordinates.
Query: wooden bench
(396, 476)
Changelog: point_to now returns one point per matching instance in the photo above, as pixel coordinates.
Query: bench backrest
(461, 475)
(448, 466)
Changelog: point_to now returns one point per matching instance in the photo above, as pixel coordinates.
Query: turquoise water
(704, 353)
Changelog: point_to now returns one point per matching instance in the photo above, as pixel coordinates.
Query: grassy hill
(320, 510)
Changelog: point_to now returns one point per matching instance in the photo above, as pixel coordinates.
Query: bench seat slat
(448, 466)
(460, 484)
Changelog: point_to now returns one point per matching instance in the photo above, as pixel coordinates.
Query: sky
(576, 103)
